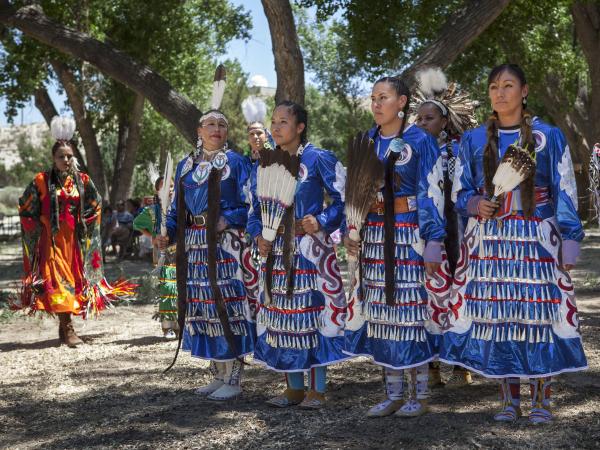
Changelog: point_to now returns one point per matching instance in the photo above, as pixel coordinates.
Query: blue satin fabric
(510, 287)
(393, 354)
(320, 172)
(216, 347)
(511, 358)
(403, 322)
(203, 335)
(549, 153)
(294, 337)
(327, 351)
(413, 168)
(234, 207)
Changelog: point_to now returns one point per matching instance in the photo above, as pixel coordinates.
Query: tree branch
(114, 63)
(457, 34)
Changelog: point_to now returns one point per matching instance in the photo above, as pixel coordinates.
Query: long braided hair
(490, 152)
(288, 221)
(392, 181)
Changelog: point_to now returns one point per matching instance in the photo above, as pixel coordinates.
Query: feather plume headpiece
(456, 105)
(364, 179)
(153, 174)
(516, 165)
(164, 196)
(218, 91)
(62, 128)
(254, 110)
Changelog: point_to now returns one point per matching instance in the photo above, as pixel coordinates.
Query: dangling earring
(524, 102)
(198, 146)
(400, 115)
(443, 135)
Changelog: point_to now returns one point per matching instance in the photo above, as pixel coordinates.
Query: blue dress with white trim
(305, 329)
(203, 332)
(512, 311)
(406, 334)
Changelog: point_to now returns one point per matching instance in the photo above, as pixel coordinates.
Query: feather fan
(164, 195)
(276, 187)
(363, 181)
(516, 165)
(153, 174)
(218, 87)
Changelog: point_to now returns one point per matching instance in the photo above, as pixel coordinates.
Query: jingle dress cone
(512, 311)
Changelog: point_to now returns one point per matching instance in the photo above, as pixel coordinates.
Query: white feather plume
(431, 81)
(62, 128)
(254, 110)
(218, 87)
(152, 173)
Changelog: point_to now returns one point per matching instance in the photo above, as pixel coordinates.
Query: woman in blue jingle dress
(513, 311)
(210, 208)
(303, 331)
(390, 317)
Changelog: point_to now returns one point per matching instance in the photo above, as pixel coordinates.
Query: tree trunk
(44, 104)
(586, 113)
(456, 35)
(84, 125)
(114, 63)
(127, 146)
(586, 17)
(289, 63)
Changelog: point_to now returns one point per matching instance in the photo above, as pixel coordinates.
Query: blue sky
(255, 56)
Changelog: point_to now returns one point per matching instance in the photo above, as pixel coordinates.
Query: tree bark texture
(129, 135)
(289, 63)
(114, 63)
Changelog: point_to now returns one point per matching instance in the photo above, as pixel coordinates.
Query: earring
(198, 146)
(400, 115)
(443, 135)
(524, 102)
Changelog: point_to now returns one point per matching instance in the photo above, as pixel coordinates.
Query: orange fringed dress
(62, 253)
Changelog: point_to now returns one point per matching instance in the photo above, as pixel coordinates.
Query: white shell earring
(400, 114)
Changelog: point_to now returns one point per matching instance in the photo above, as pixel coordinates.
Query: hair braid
(388, 197)
(527, 186)
(490, 154)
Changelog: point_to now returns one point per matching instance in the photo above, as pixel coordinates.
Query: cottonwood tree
(180, 39)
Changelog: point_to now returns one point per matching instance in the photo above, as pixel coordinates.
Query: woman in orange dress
(60, 230)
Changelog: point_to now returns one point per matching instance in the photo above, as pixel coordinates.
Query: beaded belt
(401, 205)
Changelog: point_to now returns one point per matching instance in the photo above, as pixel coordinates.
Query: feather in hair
(218, 87)
(153, 174)
(254, 110)
(432, 81)
(62, 128)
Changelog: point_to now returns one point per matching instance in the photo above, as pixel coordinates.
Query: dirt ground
(112, 393)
